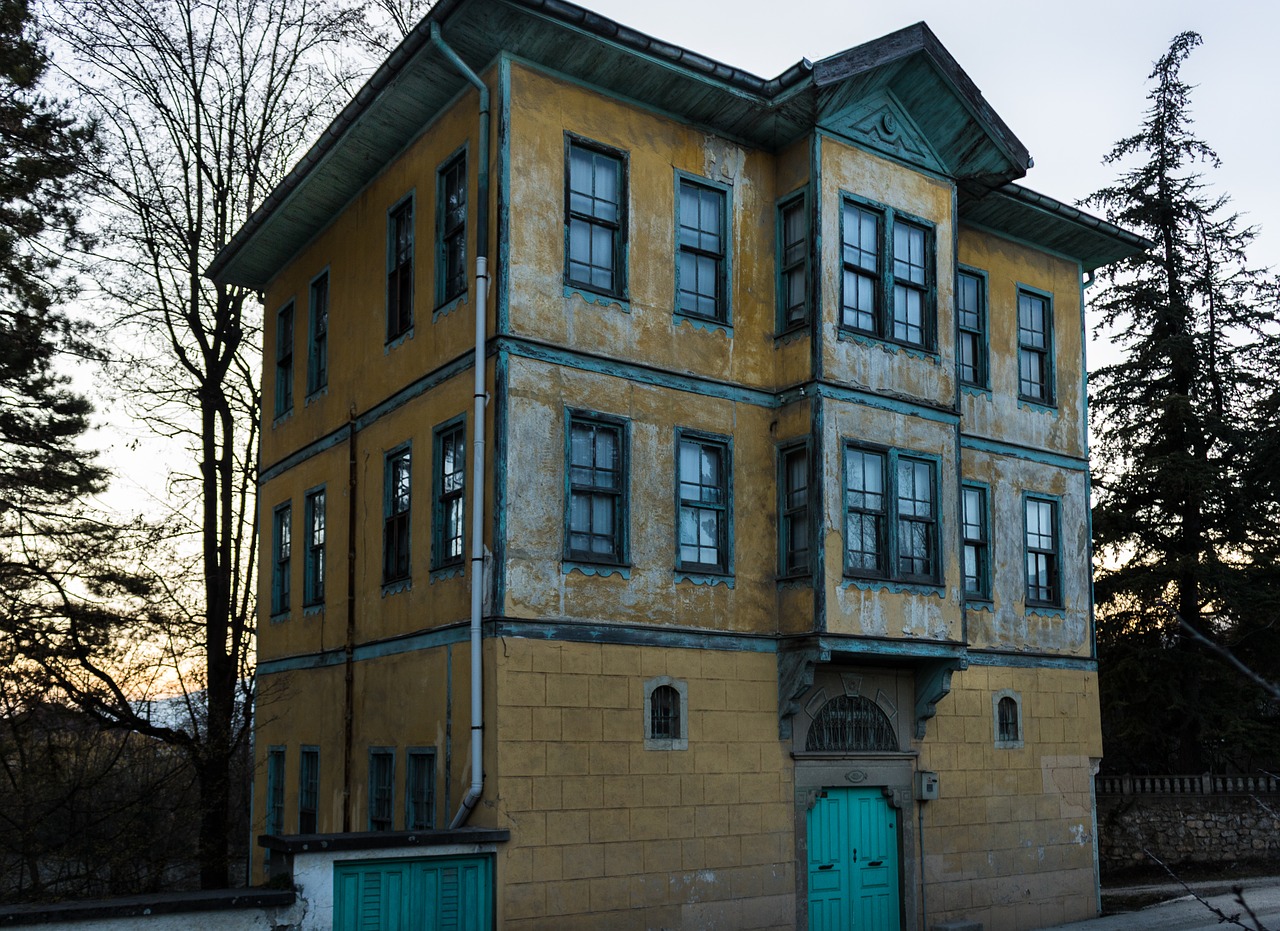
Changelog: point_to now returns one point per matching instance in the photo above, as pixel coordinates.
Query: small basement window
(666, 718)
(1007, 706)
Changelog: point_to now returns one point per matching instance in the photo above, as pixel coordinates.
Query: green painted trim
(376, 649)
(885, 278)
(312, 449)
(636, 372)
(703, 323)
(284, 401)
(314, 386)
(1031, 660)
(889, 579)
(921, 409)
(817, 473)
(781, 451)
(846, 334)
(449, 307)
(599, 298)
(310, 604)
(411, 199)
(983, 384)
(501, 452)
(704, 573)
(502, 313)
(634, 635)
(872, 105)
(1044, 457)
(784, 330)
(884, 646)
(1050, 402)
(1088, 488)
(984, 596)
(710, 579)
(1044, 608)
(723, 319)
(816, 310)
(281, 515)
(455, 424)
(621, 246)
(600, 570)
(622, 519)
(444, 304)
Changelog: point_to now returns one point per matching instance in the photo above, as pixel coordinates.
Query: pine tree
(1186, 513)
(43, 150)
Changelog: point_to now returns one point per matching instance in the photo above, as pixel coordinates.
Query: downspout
(349, 642)
(477, 470)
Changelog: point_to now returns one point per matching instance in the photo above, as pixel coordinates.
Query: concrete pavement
(1183, 912)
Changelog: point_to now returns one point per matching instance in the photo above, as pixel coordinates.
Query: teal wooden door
(413, 894)
(853, 862)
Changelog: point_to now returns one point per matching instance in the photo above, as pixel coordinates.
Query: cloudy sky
(1068, 77)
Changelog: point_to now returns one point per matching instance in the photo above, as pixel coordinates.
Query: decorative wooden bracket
(795, 677)
(933, 683)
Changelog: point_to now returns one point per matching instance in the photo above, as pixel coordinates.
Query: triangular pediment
(882, 124)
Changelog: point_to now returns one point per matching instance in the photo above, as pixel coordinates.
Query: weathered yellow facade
(836, 576)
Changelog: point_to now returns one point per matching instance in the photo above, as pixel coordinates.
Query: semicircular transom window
(851, 723)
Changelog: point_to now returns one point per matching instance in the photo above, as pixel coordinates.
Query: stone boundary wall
(1187, 828)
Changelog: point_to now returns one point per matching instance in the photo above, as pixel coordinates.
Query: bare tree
(203, 105)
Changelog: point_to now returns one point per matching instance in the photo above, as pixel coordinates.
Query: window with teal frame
(793, 511)
(974, 524)
(887, 286)
(702, 260)
(382, 791)
(971, 328)
(1035, 346)
(314, 577)
(891, 515)
(449, 480)
(704, 503)
(275, 791)
(595, 217)
(596, 512)
(1044, 567)
(451, 229)
(400, 269)
(420, 789)
(308, 790)
(396, 512)
(281, 553)
(284, 359)
(793, 263)
(318, 335)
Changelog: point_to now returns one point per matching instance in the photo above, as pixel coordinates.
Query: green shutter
(418, 894)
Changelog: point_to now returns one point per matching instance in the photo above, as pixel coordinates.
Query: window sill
(849, 335)
(1039, 407)
(791, 334)
(1044, 610)
(440, 573)
(280, 617)
(980, 604)
(599, 298)
(871, 583)
(1008, 744)
(795, 581)
(704, 578)
(975, 390)
(397, 340)
(651, 743)
(394, 588)
(281, 418)
(602, 570)
(449, 307)
(313, 610)
(315, 395)
(704, 323)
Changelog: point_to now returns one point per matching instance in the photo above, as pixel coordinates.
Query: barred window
(851, 723)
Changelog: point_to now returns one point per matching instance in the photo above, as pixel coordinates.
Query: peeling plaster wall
(540, 586)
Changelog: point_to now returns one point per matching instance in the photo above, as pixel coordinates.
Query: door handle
(876, 863)
(826, 866)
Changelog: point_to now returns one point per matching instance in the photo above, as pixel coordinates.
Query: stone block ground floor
(644, 786)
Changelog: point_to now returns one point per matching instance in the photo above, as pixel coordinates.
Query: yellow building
(775, 609)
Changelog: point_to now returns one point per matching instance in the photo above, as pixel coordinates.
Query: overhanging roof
(910, 68)
(1025, 214)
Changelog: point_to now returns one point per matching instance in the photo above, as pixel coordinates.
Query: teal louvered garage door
(413, 894)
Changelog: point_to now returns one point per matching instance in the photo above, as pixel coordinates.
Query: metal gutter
(1048, 204)
(481, 398)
